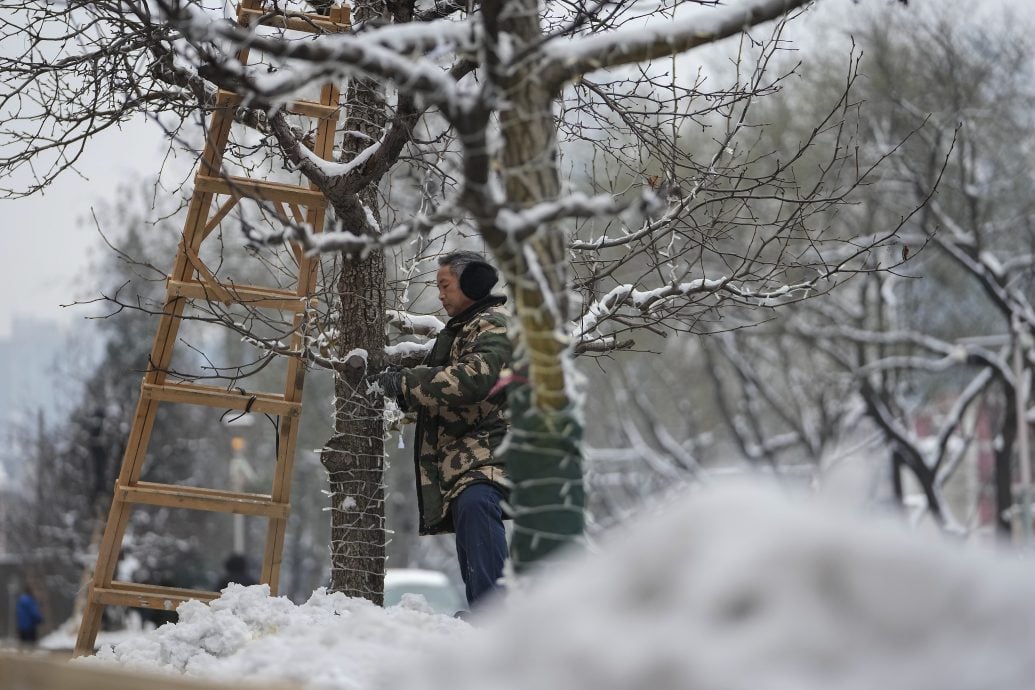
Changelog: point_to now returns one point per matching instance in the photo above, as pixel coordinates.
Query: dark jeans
(481, 542)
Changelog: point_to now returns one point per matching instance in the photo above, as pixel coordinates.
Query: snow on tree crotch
(356, 358)
(349, 503)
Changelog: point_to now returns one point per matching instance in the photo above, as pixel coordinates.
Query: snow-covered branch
(944, 464)
(569, 59)
(414, 324)
(390, 52)
(521, 224)
(633, 308)
(643, 301)
(346, 241)
(601, 344)
(984, 266)
(333, 169)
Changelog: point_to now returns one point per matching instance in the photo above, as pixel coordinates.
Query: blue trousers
(481, 542)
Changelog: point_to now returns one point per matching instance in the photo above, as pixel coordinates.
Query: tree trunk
(896, 477)
(544, 453)
(354, 457)
(1004, 467)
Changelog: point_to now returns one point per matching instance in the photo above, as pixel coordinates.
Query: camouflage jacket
(459, 426)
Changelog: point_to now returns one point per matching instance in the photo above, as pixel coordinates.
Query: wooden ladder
(188, 280)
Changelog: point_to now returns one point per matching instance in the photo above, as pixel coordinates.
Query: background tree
(74, 458)
(928, 362)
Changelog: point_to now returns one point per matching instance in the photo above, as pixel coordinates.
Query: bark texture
(354, 457)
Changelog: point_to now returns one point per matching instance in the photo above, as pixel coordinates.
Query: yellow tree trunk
(544, 452)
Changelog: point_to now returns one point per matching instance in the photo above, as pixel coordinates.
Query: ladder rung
(313, 109)
(261, 190)
(196, 498)
(148, 596)
(296, 21)
(248, 295)
(301, 106)
(210, 396)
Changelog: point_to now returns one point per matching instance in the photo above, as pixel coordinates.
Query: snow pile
(331, 641)
(734, 589)
(740, 590)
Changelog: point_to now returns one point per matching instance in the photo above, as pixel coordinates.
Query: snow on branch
(602, 344)
(644, 301)
(389, 52)
(320, 346)
(912, 453)
(648, 228)
(351, 243)
(332, 169)
(408, 350)
(411, 353)
(567, 60)
(1018, 263)
(914, 362)
(984, 266)
(414, 324)
(521, 224)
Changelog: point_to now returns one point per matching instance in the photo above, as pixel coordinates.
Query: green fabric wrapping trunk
(544, 463)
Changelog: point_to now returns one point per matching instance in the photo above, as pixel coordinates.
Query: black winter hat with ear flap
(477, 280)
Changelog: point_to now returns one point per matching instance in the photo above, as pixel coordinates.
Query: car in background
(435, 586)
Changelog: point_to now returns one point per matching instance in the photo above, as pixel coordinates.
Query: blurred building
(28, 358)
(10, 571)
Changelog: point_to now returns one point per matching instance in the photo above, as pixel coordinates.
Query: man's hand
(389, 379)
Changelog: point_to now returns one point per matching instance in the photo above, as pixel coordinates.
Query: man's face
(453, 300)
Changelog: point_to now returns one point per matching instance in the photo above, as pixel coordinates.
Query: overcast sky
(47, 241)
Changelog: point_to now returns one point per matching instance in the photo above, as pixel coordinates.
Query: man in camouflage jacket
(461, 420)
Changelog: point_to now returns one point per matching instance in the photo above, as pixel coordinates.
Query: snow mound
(738, 589)
(733, 589)
(331, 641)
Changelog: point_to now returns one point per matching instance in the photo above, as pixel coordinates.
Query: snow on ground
(731, 589)
(331, 641)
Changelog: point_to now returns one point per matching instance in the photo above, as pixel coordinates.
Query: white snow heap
(738, 589)
(331, 641)
(729, 589)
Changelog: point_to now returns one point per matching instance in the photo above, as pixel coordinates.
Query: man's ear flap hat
(477, 280)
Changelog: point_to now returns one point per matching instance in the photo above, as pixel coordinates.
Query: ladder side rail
(200, 222)
(288, 428)
(161, 354)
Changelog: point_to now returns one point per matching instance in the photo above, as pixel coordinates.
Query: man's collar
(476, 308)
